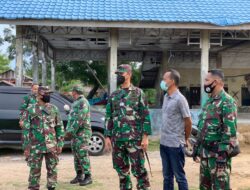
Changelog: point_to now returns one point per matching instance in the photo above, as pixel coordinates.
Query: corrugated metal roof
(218, 12)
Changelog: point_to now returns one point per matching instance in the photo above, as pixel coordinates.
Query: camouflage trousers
(35, 164)
(213, 178)
(124, 154)
(81, 158)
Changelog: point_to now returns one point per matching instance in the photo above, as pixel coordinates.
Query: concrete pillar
(112, 62)
(52, 75)
(44, 70)
(35, 64)
(205, 45)
(19, 56)
(162, 70)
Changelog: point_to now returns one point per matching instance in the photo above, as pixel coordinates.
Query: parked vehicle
(10, 132)
(193, 137)
(191, 141)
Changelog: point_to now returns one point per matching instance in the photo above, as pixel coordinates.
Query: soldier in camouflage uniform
(43, 136)
(217, 134)
(127, 130)
(79, 128)
(27, 100)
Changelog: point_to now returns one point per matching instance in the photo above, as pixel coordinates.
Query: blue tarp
(217, 12)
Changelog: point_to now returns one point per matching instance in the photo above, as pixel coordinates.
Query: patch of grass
(154, 145)
(19, 185)
(63, 186)
(67, 186)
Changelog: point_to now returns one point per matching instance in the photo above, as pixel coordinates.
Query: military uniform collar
(45, 105)
(130, 88)
(217, 97)
(33, 95)
(79, 97)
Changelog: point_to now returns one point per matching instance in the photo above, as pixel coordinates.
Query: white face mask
(164, 85)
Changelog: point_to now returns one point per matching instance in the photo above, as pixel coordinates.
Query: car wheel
(97, 144)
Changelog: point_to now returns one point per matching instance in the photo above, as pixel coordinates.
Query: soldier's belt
(213, 146)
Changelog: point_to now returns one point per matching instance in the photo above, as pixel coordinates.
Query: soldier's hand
(21, 123)
(196, 159)
(108, 146)
(144, 142)
(195, 154)
(26, 152)
(68, 135)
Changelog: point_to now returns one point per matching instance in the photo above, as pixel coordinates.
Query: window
(10, 101)
(245, 97)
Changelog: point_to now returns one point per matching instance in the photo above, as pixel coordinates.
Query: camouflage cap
(123, 68)
(44, 90)
(78, 89)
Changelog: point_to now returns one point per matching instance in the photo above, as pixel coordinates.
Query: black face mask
(46, 98)
(120, 79)
(208, 88)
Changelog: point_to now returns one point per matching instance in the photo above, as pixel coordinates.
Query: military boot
(87, 180)
(79, 177)
(51, 188)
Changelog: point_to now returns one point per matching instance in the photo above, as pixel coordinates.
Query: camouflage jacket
(217, 126)
(127, 115)
(43, 129)
(27, 100)
(79, 125)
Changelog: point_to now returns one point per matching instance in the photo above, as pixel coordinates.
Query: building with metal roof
(214, 12)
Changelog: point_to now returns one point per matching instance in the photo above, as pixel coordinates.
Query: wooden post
(205, 45)
(112, 65)
(52, 75)
(19, 56)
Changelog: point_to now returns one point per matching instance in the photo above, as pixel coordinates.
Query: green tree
(4, 63)
(10, 37)
(136, 69)
(79, 70)
(151, 96)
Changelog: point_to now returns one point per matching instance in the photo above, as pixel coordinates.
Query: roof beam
(105, 24)
(96, 55)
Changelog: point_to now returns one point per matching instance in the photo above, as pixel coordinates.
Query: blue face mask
(163, 85)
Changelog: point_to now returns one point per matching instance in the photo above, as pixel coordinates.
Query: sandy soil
(14, 172)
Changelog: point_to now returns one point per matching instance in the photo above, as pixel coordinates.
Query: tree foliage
(4, 63)
(9, 36)
(78, 70)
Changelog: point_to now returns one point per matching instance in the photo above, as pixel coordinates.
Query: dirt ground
(14, 172)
